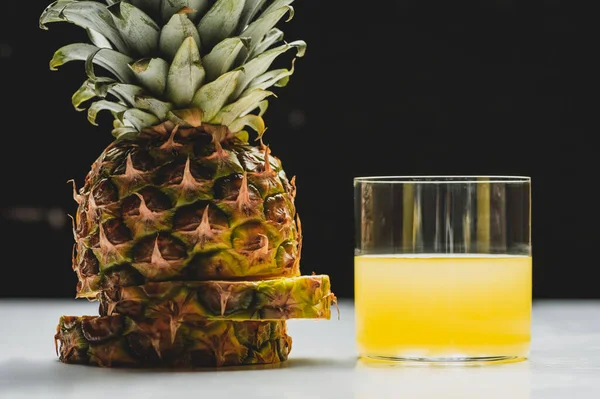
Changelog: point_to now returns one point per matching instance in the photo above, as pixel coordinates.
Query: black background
(387, 87)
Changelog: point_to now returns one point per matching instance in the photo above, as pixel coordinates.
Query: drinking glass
(443, 268)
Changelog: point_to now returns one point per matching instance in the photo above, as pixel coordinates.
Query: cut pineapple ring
(305, 297)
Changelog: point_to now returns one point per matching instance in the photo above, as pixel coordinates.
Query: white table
(565, 364)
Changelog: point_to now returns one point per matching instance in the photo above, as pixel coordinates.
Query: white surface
(565, 364)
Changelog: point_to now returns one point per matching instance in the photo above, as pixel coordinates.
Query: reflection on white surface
(501, 381)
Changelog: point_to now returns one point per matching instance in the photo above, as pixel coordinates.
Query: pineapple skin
(181, 203)
(184, 205)
(118, 341)
(306, 297)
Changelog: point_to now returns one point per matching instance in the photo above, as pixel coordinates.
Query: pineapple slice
(118, 341)
(307, 297)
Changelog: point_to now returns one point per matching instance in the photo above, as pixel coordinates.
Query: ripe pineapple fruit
(182, 195)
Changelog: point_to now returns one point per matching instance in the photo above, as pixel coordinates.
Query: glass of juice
(443, 268)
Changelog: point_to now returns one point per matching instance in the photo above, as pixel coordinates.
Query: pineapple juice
(465, 306)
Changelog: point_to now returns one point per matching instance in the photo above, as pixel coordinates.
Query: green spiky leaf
(152, 73)
(222, 57)
(126, 93)
(243, 136)
(254, 121)
(124, 133)
(151, 104)
(261, 63)
(113, 61)
(274, 36)
(277, 77)
(251, 8)
(263, 106)
(189, 117)
(138, 30)
(140, 119)
(172, 7)
(89, 68)
(220, 21)
(98, 39)
(150, 7)
(241, 107)
(213, 96)
(259, 28)
(276, 4)
(104, 105)
(102, 87)
(238, 37)
(186, 74)
(86, 14)
(175, 32)
(85, 93)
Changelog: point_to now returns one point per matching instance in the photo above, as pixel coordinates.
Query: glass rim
(443, 179)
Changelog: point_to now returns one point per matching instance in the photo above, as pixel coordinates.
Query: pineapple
(181, 194)
(117, 341)
(185, 198)
(279, 299)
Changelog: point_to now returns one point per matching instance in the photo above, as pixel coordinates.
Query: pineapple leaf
(222, 57)
(89, 68)
(151, 104)
(186, 74)
(277, 77)
(152, 74)
(276, 5)
(213, 96)
(113, 61)
(86, 14)
(102, 88)
(261, 63)
(191, 117)
(139, 119)
(139, 30)
(243, 136)
(263, 106)
(254, 121)
(124, 133)
(241, 107)
(251, 8)
(175, 32)
(150, 7)
(126, 93)
(262, 26)
(98, 39)
(85, 93)
(172, 7)
(104, 105)
(220, 21)
(274, 36)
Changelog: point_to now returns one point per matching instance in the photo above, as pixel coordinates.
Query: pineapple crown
(191, 62)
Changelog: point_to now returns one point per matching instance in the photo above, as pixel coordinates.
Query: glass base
(443, 361)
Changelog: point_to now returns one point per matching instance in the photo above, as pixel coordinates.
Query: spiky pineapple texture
(118, 341)
(187, 209)
(306, 297)
(189, 61)
(181, 198)
(181, 195)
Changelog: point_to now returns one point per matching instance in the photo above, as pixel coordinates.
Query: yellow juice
(465, 306)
